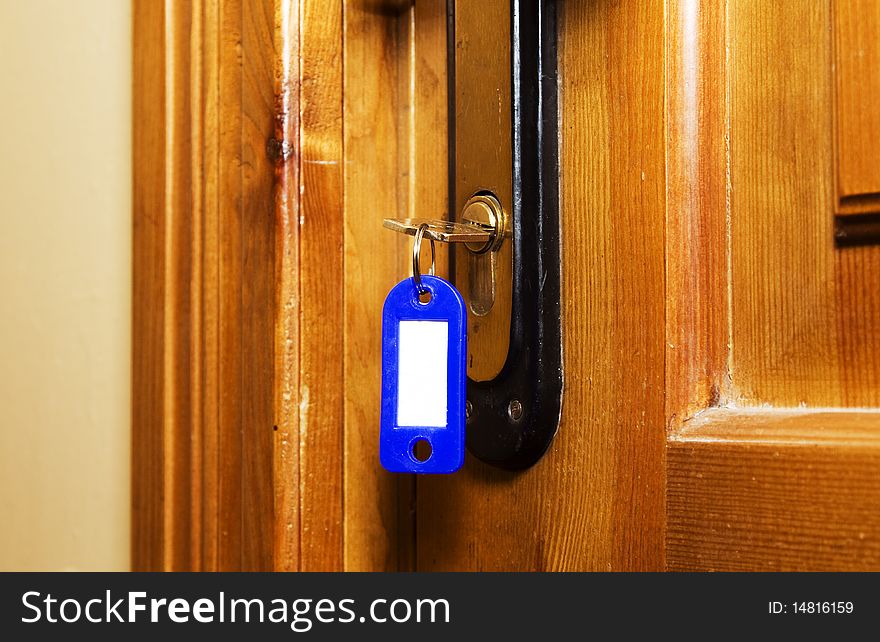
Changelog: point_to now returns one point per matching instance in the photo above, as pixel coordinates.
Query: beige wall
(65, 284)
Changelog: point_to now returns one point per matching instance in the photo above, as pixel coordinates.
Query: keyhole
(421, 450)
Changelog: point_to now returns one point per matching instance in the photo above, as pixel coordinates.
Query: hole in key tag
(424, 375)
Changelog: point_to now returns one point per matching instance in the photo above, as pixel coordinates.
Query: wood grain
(697, 347)
(175, 250)
(229, 275)
(775, 491)
(321, 291)
(148, 256)
(857, 86)
(182, 434)
(207, 251)
(595, 501)
(258, 292)
(204, 299)
(805, 325)
(372, 267)
(206, 170)
(429, 161)
(167, 435)
(285, 148)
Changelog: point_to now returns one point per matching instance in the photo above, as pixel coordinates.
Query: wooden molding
(763, 308)
(856, 122)
(856, 118)
(259, 266)
(697, 292)
(765, 490)
(205, 311)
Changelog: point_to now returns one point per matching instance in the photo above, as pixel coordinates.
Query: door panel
(857, 120)
(805, 315)
(789, 490)
(771, 479)
(204, 287)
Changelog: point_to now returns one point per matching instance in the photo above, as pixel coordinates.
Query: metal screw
(515, 410)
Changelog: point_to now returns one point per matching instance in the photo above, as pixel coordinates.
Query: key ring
(416, 252)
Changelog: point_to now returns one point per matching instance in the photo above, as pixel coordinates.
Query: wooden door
(721, 303)
(781, 472)
(720, 298)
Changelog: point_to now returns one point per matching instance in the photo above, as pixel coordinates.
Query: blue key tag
(424, 347)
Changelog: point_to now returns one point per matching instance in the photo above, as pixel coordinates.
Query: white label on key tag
(422, 373)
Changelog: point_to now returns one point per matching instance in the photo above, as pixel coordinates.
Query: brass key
(443, 231)
(481, 227)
